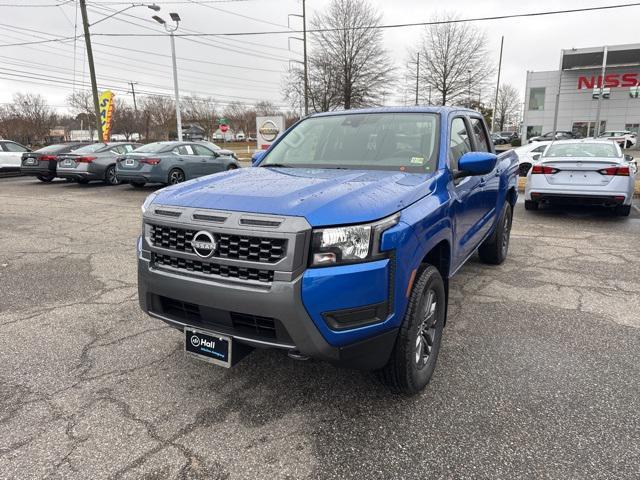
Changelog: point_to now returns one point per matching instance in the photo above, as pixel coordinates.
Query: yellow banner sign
(106, 114)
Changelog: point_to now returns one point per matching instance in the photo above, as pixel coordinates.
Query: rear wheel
(531, 205)
(110, 177)
(175, 176)
(623, 210)
(524, 169)
(232, 167)
(137, 184)
(494, 249)
(46, 178)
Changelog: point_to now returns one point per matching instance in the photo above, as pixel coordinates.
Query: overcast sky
(251, 68)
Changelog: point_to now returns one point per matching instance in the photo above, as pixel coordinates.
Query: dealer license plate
(30, 161)
(129, 162)
(208, 346)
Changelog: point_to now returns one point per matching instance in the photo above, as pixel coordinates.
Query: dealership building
(569, 98)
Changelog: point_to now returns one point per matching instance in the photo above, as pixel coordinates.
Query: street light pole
(417, 77)
(171, 29)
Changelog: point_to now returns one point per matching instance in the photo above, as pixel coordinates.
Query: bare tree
(508, 106)
(125, 119)
(324, 94)
(81, 103)
(348, 66)
(159, 113)
(201, 111)
(30, 118)
(453, 60)
(240, 116)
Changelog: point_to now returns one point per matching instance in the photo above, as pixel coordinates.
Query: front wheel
(232, 167)
(110, 177)
(175, 176)
(414, 356)
(494, 249)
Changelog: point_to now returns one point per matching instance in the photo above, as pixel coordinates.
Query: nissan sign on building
(268, 129)
(580, 95)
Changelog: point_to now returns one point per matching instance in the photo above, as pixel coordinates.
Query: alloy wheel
(176, 176)
(426, 336)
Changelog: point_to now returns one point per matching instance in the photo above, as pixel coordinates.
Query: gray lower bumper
(278, 300)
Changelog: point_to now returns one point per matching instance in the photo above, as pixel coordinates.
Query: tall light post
(171, 29)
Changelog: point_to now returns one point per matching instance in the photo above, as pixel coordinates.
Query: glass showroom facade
(579, 83)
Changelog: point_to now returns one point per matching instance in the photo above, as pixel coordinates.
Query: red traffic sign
(224, 128)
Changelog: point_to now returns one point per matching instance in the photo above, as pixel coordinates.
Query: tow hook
(296, 355)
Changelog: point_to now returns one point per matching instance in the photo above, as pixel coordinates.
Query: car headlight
(349, 244)
(149, 200)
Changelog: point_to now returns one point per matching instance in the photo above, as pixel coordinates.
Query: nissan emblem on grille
(203, 244)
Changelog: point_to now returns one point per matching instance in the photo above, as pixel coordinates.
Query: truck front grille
(213, 269)
(237, 247)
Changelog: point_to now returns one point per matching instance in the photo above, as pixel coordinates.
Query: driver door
(466, 196)
(209, 161)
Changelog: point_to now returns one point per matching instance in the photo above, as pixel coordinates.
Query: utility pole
(469, 93)
(495, 103)
(601, 94)
(306, 71)
(92, 70)
(417, 77)
(133, 92)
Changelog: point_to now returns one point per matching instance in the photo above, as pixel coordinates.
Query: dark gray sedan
(171, 162)
(94, 162)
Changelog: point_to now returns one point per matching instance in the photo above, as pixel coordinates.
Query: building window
(536, 98)
(633, 128)
(534, 131)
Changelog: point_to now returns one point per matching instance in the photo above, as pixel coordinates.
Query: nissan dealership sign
(611, 80)
(268, 130)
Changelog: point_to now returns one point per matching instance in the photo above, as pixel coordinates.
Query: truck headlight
(149, 200)
(349, 244)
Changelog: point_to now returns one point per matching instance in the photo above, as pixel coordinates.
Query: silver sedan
(583, 172)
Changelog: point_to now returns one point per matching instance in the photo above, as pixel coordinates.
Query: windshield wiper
(277, 165)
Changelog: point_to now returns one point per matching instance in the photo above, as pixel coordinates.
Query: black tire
(623, 210)
(175, 176)
(46, 178)
(110, 177)
(495, 248)
(413, 360)
(232, 166)
(82, 181)
(531, 205)
(523, 169)
(137, 184)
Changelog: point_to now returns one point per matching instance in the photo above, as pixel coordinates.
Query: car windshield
(377, 141)
(153, 148)
(94, 147)
(604, 149)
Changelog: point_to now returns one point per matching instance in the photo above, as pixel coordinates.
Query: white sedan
(529, 154)
(11, 155)
(582, 172)
(625, 138)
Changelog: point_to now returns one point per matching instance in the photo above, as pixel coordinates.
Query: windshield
(377, 141)
(153, 148)
(607, 150)
(94, 147)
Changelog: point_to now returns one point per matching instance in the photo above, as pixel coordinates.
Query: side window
(459, 143)
(14, 147)
(118, 149)
(480, 133)
(183, 150)
(204, 151)
(128, 148)
(189, 149)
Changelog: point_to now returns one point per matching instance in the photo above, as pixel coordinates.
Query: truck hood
(322, 196)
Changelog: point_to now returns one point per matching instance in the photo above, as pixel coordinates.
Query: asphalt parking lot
(538, 376)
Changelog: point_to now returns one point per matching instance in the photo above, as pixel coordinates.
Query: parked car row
(114, 162)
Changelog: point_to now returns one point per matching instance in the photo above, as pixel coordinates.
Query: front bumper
(272, 315)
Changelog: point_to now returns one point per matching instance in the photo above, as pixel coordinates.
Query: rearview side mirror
(475, 163)
(257, 156)
(628, 158)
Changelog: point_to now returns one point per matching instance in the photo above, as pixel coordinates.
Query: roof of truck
(412, 109)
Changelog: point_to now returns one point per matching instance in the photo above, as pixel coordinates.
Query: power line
(395, 25)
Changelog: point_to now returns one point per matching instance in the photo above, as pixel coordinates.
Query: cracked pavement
(538, 376)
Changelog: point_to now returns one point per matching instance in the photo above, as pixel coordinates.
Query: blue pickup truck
(338, 244)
